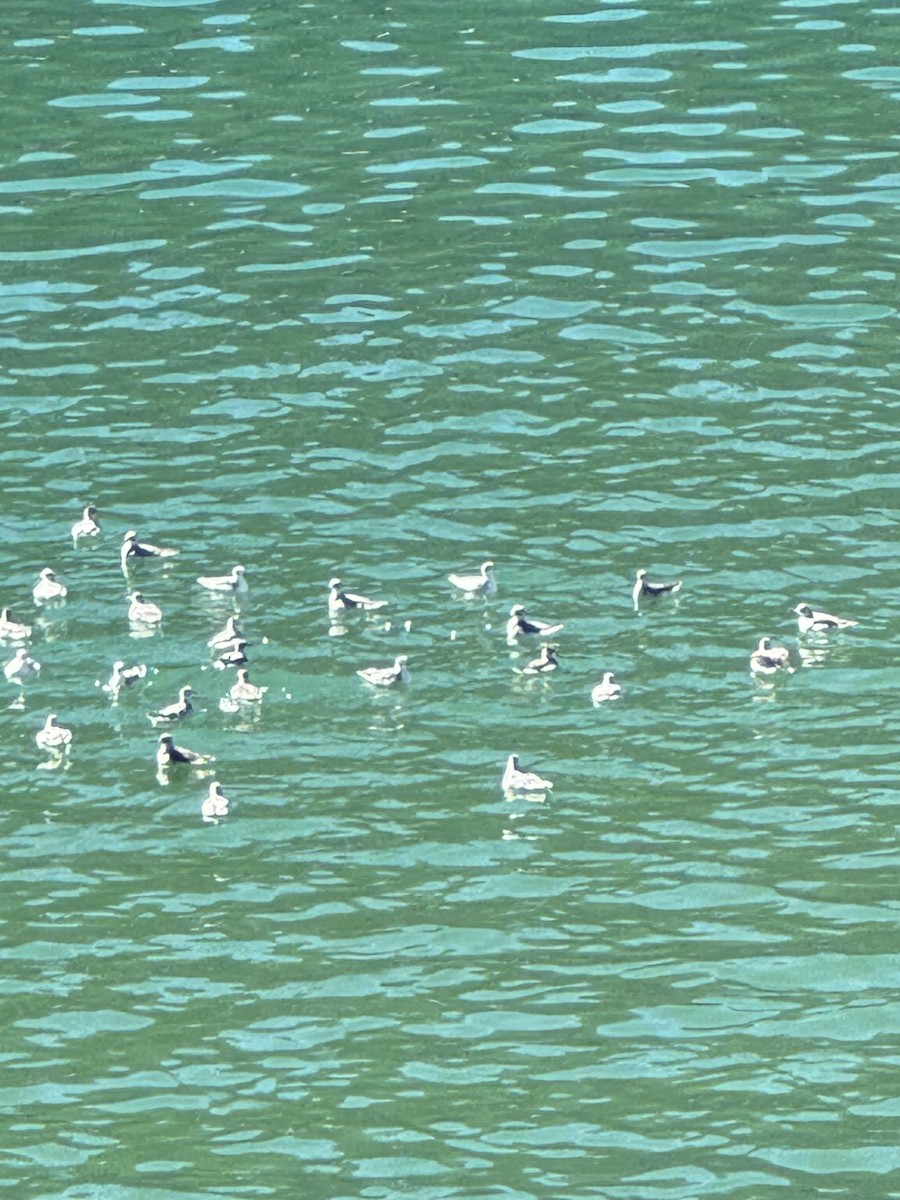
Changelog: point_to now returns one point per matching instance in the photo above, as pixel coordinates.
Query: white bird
(167, 753)
(606, 689)
(516, 780)
(245, 692)
(643, 587)
(123, 676)
(235, 582)
(132, 548)
(228, 634)
(48, 587)
(340, 601)
(809, 619)
(87, 526)
(386, 676)
(12, 631)
(176, 711)
(143, 612)
(232, 655)
(766, 659)
(53, 737)
(482, 584)
(21, 666)
(545, 662)
(519, 625)
(215, 805)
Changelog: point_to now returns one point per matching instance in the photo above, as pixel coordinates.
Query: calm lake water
(385, 291)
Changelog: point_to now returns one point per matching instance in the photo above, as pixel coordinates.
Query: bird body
(53, 737)
(810, 620)
(167, 753)
(21, 667)
(216, 804)
(232, 655)
(12, 631)
(48, 587)
(226, 636)
(177, 711)
(123, 676)
(482, 584)
(87, 526)
(132, 548)
(143, 612)
(235, 582)
(544, 664)
(643, 587)
(386, 676)
(766, 659)
(341, 601)
(606, 689)
(517, 780)
(245, 692)
(520, 625)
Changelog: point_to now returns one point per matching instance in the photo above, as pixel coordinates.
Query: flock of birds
(229, 646)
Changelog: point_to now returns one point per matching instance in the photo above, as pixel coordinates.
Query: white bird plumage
(123, 676)
(643, 587)
(341, 601)
(482, 584)
(232, 583)
(143, 612)
(53, 737)
(521, 625)
(226, 636)
(87, 526)
(48, 587)
(544, 664)
(132, 548)
(177, 711)
(386, 676)
(766, 659)
(245, 692)
(606, 689)
(216, 804)
(811, 620)
(21, 666)
(167, 753)
(12, 631)
(517, 780)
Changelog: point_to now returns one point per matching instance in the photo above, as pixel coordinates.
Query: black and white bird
(21, 667)
(811, 620)
(521, 625)
(341, 601)
(386, 676)
(54, 738)
(482, 584)
(245, 692)
(176, 711)
(143, 612)
(517, 780)
(168, 754)
(232, 655)
(229, 584)
(12, 631)
(133, 549)
(48, 588)
(606, 689)
(229, 633)
(767, 659)
(216, 804)
(87, 526)
(643, 587)
(124, 677)
(544, 664)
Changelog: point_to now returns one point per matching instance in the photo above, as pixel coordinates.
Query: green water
(385, 293)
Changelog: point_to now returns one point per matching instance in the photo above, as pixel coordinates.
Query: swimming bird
(12, 631)
(228, 634)
(482, 584)
(21, 666)
(123, 676)
(519, 625)
(48, 587)
(517, 780)
(232, 655)
(176, 711)
(87, 526)
(340, 601)
(545, 662)
(168, 754)
(245, 692)
(215, 805)
(143, 612)
(235, 582)
(132, 548)
(766, 659)
(53, 737)
(811, 619)
(643, 587)
(606, 689)
(386, 676)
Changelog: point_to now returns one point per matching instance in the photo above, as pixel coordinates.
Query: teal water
(580, 289)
